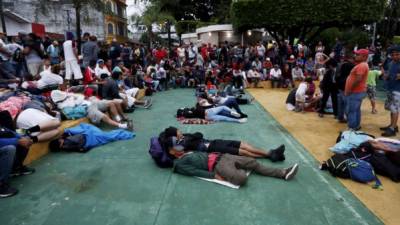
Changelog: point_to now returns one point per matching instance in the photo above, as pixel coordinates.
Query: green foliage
(201, 10)
(349, 37)
(282, 13)
(396, 40)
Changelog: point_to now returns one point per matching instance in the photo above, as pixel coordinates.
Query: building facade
(116, 22)
(59, 17)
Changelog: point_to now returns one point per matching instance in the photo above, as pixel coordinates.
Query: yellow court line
(318, 134)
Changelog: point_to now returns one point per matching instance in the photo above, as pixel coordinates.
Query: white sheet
(225, 183)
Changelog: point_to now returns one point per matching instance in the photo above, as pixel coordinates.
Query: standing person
(371, 87)
(115, 52)
(71, 59)
(53, 51)
(329, 88)
(344, 71)
(260, 51)
(392, 103)
(90, 51)
(355, 89)
(181, 55)
(33, 51)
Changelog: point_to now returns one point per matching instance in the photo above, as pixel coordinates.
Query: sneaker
(24, 170)
(243, 120)
(235, 114)
(147, 104)
(130, 125)
(243, 115)
(291, 172)
(396, 129)
(389, 132)
(7, 191)
(278, 154)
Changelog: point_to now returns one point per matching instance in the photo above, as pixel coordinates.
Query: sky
(133, 8)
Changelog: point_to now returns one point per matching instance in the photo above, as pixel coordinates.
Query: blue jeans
(341, 105)
(220, 114)
(7, 155)
(232, 103)
(353, 109)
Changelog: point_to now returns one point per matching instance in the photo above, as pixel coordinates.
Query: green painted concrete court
(119, 184)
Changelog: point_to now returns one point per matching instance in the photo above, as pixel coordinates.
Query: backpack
(362, 171)
(74, 143)
(337, 166)
(159, 155)
(186, 113)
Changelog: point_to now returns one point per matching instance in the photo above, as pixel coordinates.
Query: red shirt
(89, 76)
(362, 70)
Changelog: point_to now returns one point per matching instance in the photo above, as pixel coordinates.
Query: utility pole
(3, 22)
(68, 19)
(169, 38)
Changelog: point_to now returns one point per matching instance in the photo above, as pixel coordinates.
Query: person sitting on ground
(13, 151)
(303, 101)
(197, 142)
(101, 68)
(110, 89)
(224, 167)
(253, 76)
(130, 94)
(297, 73)
(276, 76)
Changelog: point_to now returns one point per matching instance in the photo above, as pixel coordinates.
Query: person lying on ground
(130, 94)
(197, 142)
(228, 101)
(97, 110)
(38, 121)
(225, 167)
(205, 110)
(47, 79)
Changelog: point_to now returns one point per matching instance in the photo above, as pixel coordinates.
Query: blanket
(195, 121)
(224, 183)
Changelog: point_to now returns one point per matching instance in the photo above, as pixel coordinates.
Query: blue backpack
(159, 155)
(362, 171)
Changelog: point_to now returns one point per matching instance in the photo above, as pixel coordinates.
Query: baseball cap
(362, 52)
(176, 144)
(394, 49)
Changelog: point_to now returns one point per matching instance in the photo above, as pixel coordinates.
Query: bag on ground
(159, 155)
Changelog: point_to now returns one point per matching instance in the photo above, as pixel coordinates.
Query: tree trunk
(78, 27)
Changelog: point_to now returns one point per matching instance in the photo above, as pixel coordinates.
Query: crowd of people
(44, 81)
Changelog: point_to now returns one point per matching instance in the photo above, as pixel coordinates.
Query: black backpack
(186, 113)
(337, 165)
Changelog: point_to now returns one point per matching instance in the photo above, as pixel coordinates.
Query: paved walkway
(119, 184)
(318, 134)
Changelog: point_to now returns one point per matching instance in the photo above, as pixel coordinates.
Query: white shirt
(261, 50)
(72, 100)
(297, 73)
(3, 45)
(301, 92)
(192, 51)
(275, 73)
(252, 74)
(98, 71)
(32, 117)
(181, 52)
(48, 78)
(69, 54)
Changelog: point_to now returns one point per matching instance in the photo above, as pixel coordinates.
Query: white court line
(317, 171)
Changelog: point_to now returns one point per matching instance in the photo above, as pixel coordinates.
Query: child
(371, 87)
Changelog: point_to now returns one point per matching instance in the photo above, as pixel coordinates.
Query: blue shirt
(392, 84)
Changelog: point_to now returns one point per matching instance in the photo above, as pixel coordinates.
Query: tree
(200, 10)
(154, 15)
(304, 19)
(390, 25)
(79, 6)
